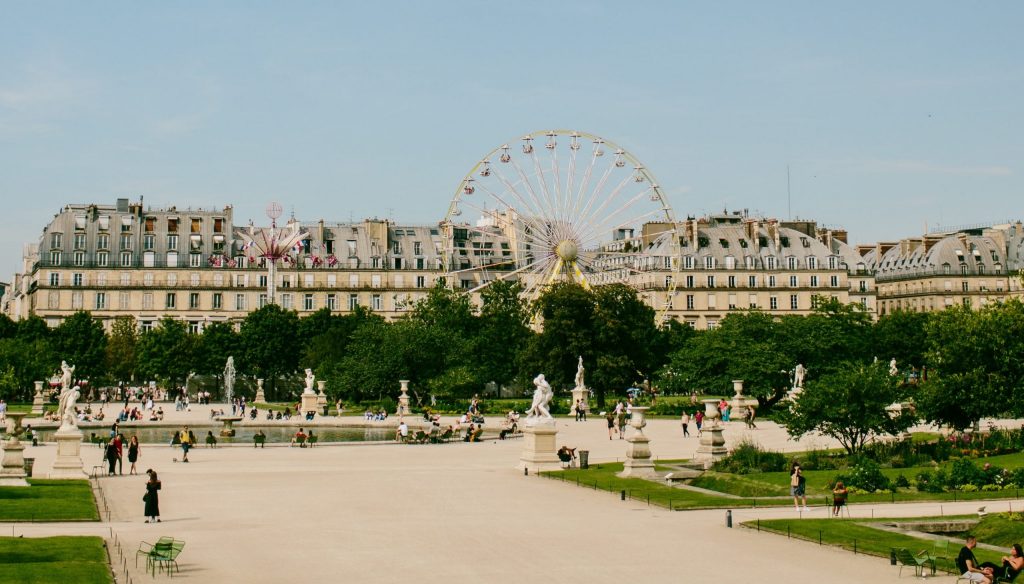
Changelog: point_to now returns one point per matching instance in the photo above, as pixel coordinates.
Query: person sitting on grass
(968, 566)
(839, 494)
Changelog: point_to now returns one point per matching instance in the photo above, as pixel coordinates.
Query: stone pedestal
(69, 454)
(638, 452)
(321, 397)
(539, 450)
(260, 397)
(404, 408)
(712, 442)
(38, 401)
(12, 466)
(581, 394)
(308, 402)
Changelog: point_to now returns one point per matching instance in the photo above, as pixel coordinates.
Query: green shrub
(968, 488)
(902, 482)
(926, 482)
(866, 474)
(964, 472)
(749, 457)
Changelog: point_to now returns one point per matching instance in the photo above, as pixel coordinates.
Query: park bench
(211, 442)
(312, 440)
(259, 440)
(299, 441)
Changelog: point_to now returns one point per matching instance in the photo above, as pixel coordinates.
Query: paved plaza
(438, 513)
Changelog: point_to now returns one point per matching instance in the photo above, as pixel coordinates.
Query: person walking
(187, 439)
(797, 486)
(611, 423)
(751, 412)
(698, 420)
(152, 497)
(110, 455)
(119, 444)
(686, 424)
(133, 453)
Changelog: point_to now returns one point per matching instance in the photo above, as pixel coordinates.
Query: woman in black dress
(110, 454)
(133, 453)
(152, 498)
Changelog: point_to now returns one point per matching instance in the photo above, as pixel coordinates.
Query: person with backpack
(797, 486)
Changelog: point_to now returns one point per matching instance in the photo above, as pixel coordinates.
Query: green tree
(270, 350)
(167, 352)
(218, 342)
(122, 347)
(901, 335)
(503, 332)
(81, 341)
(567, 311)
(625, 335)
(849, 404)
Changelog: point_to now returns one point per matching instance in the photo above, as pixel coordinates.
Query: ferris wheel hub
(567, 250)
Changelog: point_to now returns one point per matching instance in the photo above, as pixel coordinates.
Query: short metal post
(728, 518)
(622, 495)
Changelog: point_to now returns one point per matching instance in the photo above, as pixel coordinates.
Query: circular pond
(244, 434)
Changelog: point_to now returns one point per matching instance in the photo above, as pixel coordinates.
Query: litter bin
(584, 456)
(29, 463)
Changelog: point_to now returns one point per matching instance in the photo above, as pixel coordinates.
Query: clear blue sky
(890, 114)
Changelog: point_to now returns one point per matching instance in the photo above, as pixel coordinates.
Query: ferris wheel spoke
(493, 214)
(540, 204)
(556, 180)
(578, 197)
(595, 227)
(610, 228)
(589, 212)
(543, 183)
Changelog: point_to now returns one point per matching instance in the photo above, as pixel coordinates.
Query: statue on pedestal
(798, 376)
(542, 395)
(310, 378)
(579, 374)
(65, 377)
(892, 367)
(229, 379)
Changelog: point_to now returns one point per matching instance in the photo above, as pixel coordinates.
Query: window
(396, 247)
(417, 248)
(421, 281)
(752, 282)
(814, 281)
(55, 278)
(146, 326)
(332, 281)
(863, 286)
(172, 242)
(307, 280)
(171, 300)
(771, 281)
(375, 302)
(375, 280)
(193, 327)
(193, 299)
(791, 263)
(126, 241)
(398, 263)
(101, 300)
(240, 280)
(193, 279)
(218, 300)
(172, 279)
(126, 278)
(753, 301)
(286, 301)
(76, 279)
(793, 302)
(965, 286)
(688, 262)
(375, 261)
(149, 259)
(712, 301)
(307, 302)
(102, 259)
(353, 280)
(261, 281)
(732, 281)
(668, 281)
(709, 263)
(76, 300)
(689, 302)
(79, 258)
(832, 262)
(79, 241)
(53, 299)
(148, 241)
(56, 240)
(770, 262)
(195, 242)
(104, 222)
(172, 225)
(773, 302)
(812, 263)
(966, 302)
(147, 301)
(124, 300)
(218, 225)
(126, 222)
(711, 281)
(730, 263)
(103, 241)
(351, 248)
(833, 281)
(101, 279)
(262, 300)
(239, 301)
(792, 282)
(353, 301)
(150, 224)
(332, 302)
(732, 302)
(196, 225)
(195, 260)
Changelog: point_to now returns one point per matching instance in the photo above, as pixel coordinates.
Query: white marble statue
(579, 374)
(542, 395)
(229, 379)
(892, 367)
(310, 378)
(798, 376)
(65, 377)
(66, 411)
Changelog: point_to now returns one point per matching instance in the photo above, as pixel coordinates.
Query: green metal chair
(151, 550)
(167, 558)
(907, 559)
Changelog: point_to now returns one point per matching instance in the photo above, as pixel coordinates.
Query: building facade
(192, 265)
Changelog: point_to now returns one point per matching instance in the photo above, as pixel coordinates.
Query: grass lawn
(846, 533)
(1000, 529)
(48, 500)
(81, 560)
(603, 477)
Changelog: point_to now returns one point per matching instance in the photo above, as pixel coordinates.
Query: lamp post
(273, 244)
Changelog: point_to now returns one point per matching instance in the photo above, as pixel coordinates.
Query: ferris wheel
(559, 205)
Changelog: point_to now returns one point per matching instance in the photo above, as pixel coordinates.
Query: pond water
(243, 435)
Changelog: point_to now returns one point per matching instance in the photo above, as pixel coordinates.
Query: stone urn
(638, 417)
(638, 451)
(12, 466)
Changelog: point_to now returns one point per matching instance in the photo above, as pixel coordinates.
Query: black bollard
(728, 518)
(622, 495)
(526, 471)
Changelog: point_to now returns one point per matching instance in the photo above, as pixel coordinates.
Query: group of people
(114, 452)
(372, 415)
(988, 572)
